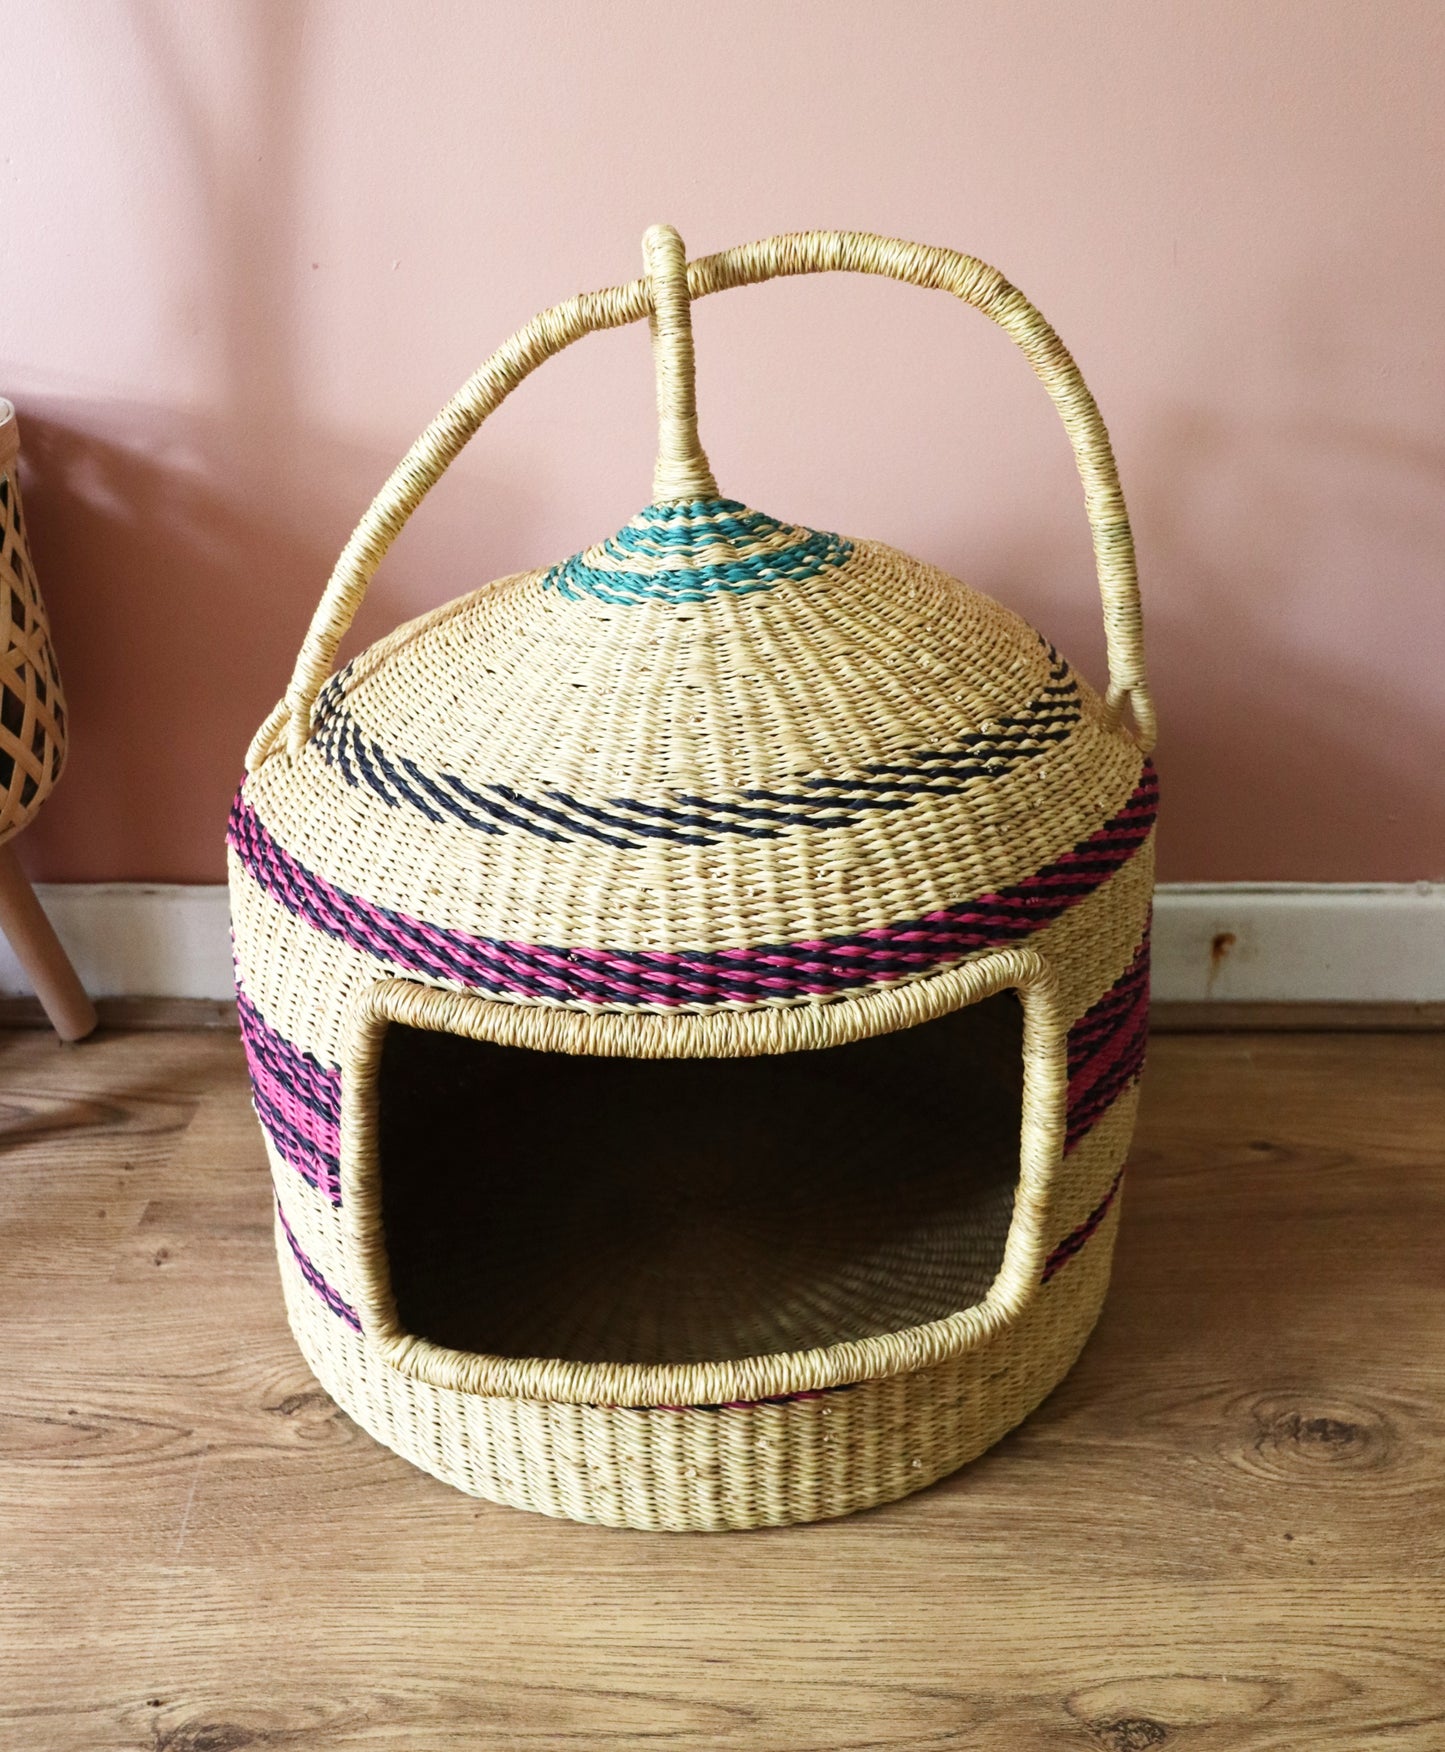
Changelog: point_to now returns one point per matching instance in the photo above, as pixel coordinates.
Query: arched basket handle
(658, 297)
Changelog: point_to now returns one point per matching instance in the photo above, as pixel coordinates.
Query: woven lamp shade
(695, 993)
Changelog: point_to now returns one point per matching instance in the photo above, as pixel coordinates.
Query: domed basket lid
(718, 759)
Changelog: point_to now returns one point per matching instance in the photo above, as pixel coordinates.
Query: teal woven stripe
(661, 527)
(667, 533)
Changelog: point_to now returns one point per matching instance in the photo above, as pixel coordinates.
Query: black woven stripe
(546, 813)
(452, 805)
(870, 793)
(1103, 1094)
(403, 788)
(974, 765)
(650, 829)
(329, 698)
(820, 802)
(1100, 1023)
(328, 739)
(360, 753)
(300, 1073)
(497, 813)
(343, 760)
(749, 812)
(690, 818)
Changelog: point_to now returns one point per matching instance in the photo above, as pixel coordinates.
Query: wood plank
(130, 1014)
(134, 1015)
(1224, 1532)
(1253, 1018)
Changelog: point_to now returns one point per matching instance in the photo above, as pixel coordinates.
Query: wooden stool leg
(40, 952)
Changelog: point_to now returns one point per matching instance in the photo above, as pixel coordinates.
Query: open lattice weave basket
(32, 706)
(695, 994)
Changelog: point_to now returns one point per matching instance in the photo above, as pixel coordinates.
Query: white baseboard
(137, 939)
(1299, 943)
(1226, 942)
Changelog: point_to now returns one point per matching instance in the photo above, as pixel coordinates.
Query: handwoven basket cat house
(695, 994)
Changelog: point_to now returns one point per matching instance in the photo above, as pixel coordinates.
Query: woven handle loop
(682, 468)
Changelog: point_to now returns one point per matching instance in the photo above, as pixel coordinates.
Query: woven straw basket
(695, 994)
(32, 707)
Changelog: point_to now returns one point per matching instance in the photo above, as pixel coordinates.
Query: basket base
(714, 1469)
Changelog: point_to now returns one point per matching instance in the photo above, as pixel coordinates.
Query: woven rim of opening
(750, 1378)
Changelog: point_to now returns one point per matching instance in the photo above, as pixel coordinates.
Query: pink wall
(250, 247)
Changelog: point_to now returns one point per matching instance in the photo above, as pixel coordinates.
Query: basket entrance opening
(539, 1204)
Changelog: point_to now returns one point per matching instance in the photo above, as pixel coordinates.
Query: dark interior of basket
(622, 1210)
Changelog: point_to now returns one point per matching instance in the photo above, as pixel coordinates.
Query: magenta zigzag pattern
(820, 968)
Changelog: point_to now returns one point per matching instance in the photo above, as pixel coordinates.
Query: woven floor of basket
(672, 1211)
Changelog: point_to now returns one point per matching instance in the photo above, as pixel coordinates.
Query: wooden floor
(1225, 1531)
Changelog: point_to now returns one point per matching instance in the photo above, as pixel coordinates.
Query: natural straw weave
(32, 706)
(718, 787)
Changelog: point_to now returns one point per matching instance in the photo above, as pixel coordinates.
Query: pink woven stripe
(1104, 1019)
(1106, 1049)
(305, 1123)
(1076, 1238)
(813, 968)
(1106, 1057)
(297, 1100)
(1111, 1034)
